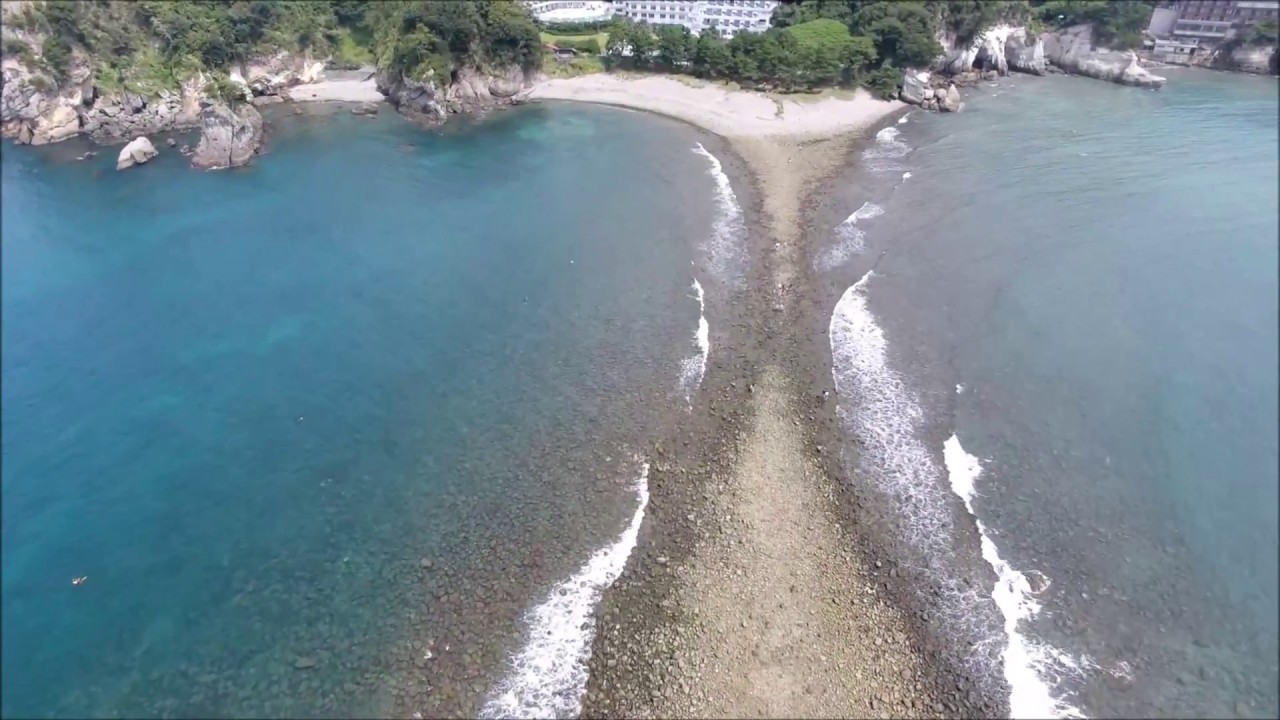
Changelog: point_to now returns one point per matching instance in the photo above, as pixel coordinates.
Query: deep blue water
(1096, 267)
(248, 404)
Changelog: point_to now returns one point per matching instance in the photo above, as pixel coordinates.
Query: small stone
(425, 563)
(304, 663)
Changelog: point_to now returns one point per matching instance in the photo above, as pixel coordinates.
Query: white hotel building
(568, 11)
(728, 16)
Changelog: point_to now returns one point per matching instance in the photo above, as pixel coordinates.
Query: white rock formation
(137, 152)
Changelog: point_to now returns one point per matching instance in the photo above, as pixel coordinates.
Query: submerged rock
(228, 138)
(365, 109)
(137, 152)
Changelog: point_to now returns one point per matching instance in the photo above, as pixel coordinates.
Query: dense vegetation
(150, 45)
(1118, 25)
(813, 43)
(846, 42)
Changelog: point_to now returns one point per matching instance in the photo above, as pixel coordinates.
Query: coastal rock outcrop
(138, 151)
(1252, 59)
(1072, 50)
(228, 137)
(469, 91)
(419, 99)
(35, 109)
(1025, 58)
(984, 52)
(126, 114)
(949, 101)
(914, 85)
(272, 74)
(472, 90)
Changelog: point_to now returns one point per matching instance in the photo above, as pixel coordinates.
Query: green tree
(676, 46)
(221, 88)
(793, 13)
(820, 64)
(884, 82)
(859, 57)
(57, 56)
(643, 46)
(712, 57)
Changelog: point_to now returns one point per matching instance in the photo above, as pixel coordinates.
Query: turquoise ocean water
(1071, 322)
(305, 424)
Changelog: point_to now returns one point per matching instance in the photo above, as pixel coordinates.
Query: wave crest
(549, 675)
(726, 255)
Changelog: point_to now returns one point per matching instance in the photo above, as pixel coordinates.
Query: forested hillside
(149, 45)
(818, 43)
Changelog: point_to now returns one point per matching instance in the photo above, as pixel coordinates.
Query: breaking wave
(693, 368)
(882, 412)
(549, 675)
(850, 239)
(726, 254)
(1024, 661)
(887, 152)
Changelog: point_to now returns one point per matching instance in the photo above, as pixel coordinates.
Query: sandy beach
(725, 112)
(339, 86)
(748, 595)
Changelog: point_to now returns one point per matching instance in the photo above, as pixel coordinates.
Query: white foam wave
(694, 368)
(1024, 660)
(906, 176)
(865, 212)
(882, 412)
(549, 675)
(726, 253)
(850, 239)
(885, 154)
(902, 120)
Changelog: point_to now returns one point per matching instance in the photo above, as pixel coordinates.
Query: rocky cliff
(1003, 48)
(470, 91)
(1257, 59)
(228, 137)
(38, 108)
(1073, 51)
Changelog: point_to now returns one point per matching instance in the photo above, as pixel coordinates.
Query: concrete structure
(1237, 12)
(1175, 52)
(1205, 30)
(567, 11)
(728, 17)
(1209, 21)
(1162, 20)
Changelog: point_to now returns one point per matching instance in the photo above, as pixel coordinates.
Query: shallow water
(1078, 280)
(305, 424)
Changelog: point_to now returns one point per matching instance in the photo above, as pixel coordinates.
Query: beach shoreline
(754, 590)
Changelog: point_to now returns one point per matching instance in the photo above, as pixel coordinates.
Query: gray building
(1209, 21)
